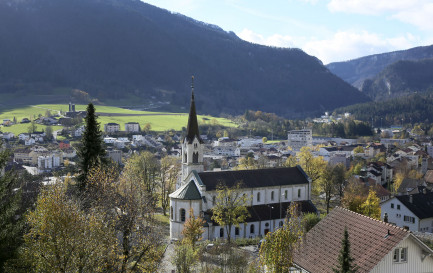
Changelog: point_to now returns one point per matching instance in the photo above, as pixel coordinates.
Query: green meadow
(159, 121)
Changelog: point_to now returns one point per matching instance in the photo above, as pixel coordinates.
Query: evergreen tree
(10, 228)
(345, 260)
(92, 150)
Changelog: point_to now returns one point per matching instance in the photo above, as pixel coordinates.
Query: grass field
(159, 121)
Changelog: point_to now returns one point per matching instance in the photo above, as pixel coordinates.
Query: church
(270, 191)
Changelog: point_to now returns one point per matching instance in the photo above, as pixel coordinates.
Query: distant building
(300, 138)
(132, 127)
(111, 127)
(115, 155)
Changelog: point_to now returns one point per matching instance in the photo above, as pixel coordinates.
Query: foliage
(346, 129)
(92, 151)
(247, 163)
(276, 252)
(358, 150)
(184, 258)
(331, 182)
(345, 260)
(169, 172)
(312, 165)
(354, 195)
(371, 206)
(10, 227)
(309, 220)
(193, 229)
(230, 207)
(63, 238)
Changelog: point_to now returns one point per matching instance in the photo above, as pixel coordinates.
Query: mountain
(358, 70)
(126, 52)
(400, 79)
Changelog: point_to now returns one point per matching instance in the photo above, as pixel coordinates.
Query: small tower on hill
(192, 146)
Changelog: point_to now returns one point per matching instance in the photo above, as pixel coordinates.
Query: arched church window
(214, 199)
(195, 157)
(299, 193)
(221, 232)
(258, 197)
(252, 228)
(195, 145)
(272, 195)
(182, 215)
(236, 231)
(184, 158)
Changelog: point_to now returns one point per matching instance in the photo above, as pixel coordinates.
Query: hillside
(357, 70)
(400, 79)
(412, 108)
(126, 52)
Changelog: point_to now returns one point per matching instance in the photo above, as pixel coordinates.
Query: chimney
(411, 198)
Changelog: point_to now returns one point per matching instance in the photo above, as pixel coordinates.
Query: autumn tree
(276, 252)
(345, 260)
(63, 238)
(193, 229)
(92, 151)
(10, 227)
(247, 162)
(184, 258)
(169, 172)
(371, 206)
(312, 165)
(355, 194)
(230, 207)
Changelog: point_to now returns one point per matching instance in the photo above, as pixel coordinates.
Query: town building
(111, 127)
(132, 127)
(300, 138)
(270, 191)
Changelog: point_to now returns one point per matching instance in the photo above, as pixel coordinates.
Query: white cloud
(273, 40)
(421, 16)
(341, 46)
(372, 6)
(346, 45)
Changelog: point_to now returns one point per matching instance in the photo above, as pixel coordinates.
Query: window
(272, 195)
(195, 145)
(267, 225)
(221, 232)
(252, 229)
(171, 213)
(392, 205)
(299, 193)
(195, 157)
(258, 197)
(409, 219)
(184, 157)
(182, 215)
(285, 194)
(281, 223)
(398, 206)
(236, 231)
(214, 199)
(400, 255)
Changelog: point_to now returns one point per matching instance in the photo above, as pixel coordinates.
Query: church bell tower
(192, 146)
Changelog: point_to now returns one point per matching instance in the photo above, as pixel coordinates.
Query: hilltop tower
(192, 146)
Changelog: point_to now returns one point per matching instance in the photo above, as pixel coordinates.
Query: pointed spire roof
(192, 128)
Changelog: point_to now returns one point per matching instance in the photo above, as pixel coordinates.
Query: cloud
(421, 16)
(277, 40)
(341, 46)
(371, 7)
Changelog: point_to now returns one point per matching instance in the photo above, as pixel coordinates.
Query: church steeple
(192, 128)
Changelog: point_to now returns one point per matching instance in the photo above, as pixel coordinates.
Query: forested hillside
(126, 52)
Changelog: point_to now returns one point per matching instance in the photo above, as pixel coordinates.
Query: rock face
(126, 52)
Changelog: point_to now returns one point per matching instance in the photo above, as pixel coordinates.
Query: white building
(300, 138)
(413, 212)
(270, 192)
(111, 127)
(132, 127)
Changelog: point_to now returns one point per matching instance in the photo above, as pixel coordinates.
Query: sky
(331, 30)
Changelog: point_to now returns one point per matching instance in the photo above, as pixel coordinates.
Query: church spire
(192, 128)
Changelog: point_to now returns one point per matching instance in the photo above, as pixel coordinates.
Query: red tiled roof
(368, 238)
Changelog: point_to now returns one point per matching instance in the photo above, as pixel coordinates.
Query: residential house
(300, 138)
(8, 135)
(413, 212)
(64, 144)
(115, 155)
(411, 186)
(375, 246)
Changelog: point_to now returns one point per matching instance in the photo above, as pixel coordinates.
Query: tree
(49, 132)
(32, 127)
(10, 227)
(358, 150)
(313, 166)
(276, 252)
(371, 206)
(328, 185)
(169, 172)
(193, 229)
(184, 258)
(309, 220)
(230, 207)
(345, 260)
(264, 139)
(63, 238)
(354, 195)
(247, 162)
(92, 150)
